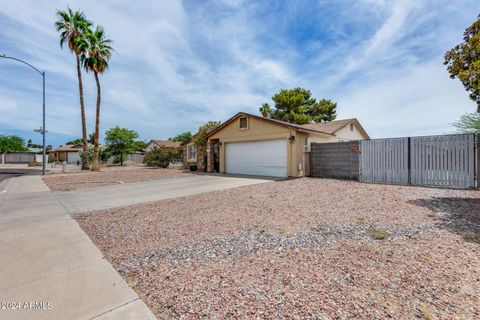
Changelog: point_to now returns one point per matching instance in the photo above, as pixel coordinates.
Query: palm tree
(265, 110)
(97, 54)
(72, 26)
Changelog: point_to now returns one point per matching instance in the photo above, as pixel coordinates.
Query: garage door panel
(266, 158)
(73, 157)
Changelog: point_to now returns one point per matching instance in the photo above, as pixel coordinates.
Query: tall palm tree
(96, 57)
(72, 26)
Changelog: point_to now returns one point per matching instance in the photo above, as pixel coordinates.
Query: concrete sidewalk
(49, 267)
(132, 193)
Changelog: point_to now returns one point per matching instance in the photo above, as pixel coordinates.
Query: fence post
(409, 162)
(476, 165)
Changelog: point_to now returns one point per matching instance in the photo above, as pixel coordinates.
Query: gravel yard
(108, 176)
(303, 248)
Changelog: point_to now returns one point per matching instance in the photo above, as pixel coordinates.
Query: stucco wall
(346, 134)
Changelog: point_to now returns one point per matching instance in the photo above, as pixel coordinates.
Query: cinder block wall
(335, 160)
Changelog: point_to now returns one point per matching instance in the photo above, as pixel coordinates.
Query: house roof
(67, 148)
(279, 122)
(335, 125)
(166, 143)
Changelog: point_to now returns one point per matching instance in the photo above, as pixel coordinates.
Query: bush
(377, 234)
(34, 164)
(162, 157)
(104, 154)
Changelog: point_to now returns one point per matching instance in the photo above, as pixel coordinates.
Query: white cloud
(419, 99)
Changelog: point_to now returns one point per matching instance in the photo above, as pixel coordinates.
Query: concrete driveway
(132, 193)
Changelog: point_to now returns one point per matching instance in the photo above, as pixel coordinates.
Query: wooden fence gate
(448, 160)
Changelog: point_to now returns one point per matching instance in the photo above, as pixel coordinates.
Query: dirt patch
(108, 176)
(300, 248)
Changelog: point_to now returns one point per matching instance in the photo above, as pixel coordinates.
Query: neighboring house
(69, 153)
(253, 145)
(162, 143)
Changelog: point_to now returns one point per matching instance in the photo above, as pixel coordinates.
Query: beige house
(162, 143)
(253, 145)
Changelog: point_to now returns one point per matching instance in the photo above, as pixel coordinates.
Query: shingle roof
(67, 148)
(279, 122)
(331, 126)
(167, 143)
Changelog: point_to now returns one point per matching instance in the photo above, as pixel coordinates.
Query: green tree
(138, 146)
(463, 61)
(324, 110)
(72, 26)
(121, 142)
(200, 139)
(469, 122)
(297, 106)
(12, 144)
(75, 141)
(183, 137)
(97, 54)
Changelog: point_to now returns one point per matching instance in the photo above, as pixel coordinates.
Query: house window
(244, 123)
(351, 126)
(192, 153)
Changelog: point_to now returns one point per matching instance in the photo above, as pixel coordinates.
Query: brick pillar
(210, 156)
(185, 157)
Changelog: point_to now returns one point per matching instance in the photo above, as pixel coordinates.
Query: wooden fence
(384, 160)
(447, 160)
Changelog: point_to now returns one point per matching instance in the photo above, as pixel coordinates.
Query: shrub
(104, 155)
(34, 164)
(162, 157)
(378, 234)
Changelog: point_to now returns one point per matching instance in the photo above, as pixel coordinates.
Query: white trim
(189, 156)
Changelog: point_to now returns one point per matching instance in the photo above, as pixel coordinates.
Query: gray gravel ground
(300, 249)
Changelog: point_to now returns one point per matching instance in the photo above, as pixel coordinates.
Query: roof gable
(333, 126)
(274, 121)
(166, 143)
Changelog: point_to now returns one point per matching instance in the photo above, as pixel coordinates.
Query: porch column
(210, 155)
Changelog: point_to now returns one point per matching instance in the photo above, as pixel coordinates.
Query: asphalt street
(6, 173)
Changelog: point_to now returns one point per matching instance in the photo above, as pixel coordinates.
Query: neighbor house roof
(279, 122)
(166, 143)
(335, 125)
(67, 148)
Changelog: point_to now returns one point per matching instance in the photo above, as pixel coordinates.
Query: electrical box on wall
(299, 167)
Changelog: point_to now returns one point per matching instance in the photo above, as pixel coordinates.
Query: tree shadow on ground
(459, 215)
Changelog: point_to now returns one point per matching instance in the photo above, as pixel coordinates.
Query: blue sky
(179, 64)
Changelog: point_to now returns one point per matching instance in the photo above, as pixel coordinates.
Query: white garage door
(73, 157)
(261, 158)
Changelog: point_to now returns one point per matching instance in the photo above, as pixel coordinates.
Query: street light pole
(42, 130)
(44, 151)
